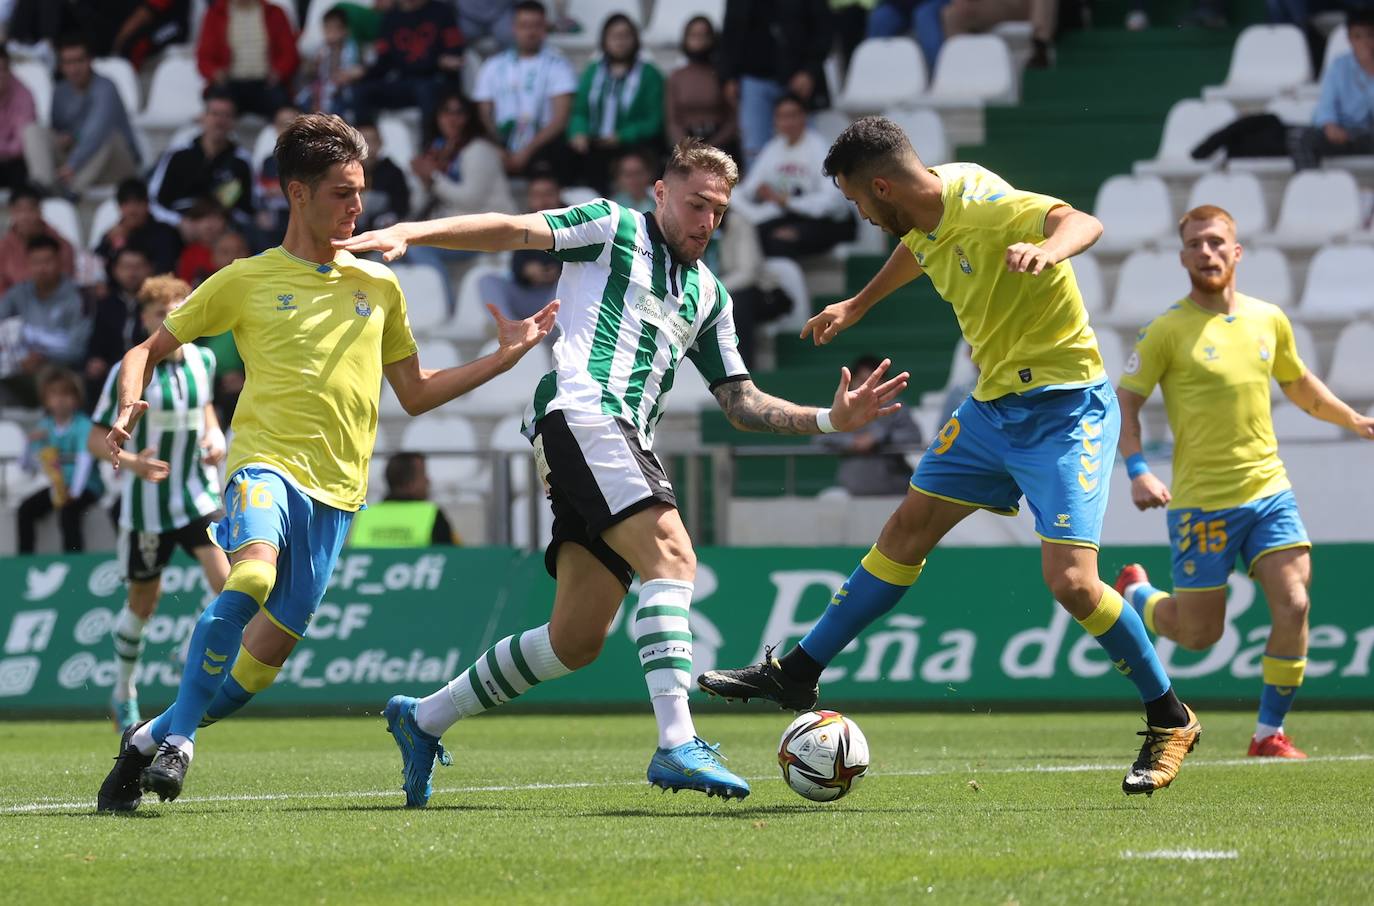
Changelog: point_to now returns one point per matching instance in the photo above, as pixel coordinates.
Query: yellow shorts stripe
(1105, 615)
(1280, 671)
(280, 625)
(252, 674)
(999, 510)
(889, 570)
(1071, 542)
(1274, 550)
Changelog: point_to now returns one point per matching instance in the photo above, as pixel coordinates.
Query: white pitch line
(1184, 855)
(34, 807)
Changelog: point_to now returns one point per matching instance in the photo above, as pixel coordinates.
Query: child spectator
(58, 448)
(634, 182)
(201, 228)
(336, 67)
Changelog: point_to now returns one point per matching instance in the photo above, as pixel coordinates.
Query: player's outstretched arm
(750, 409)
(421, 389)
(135, 371)
(901, 268)
(1068, 232)
(1147, 491)
(145, 464)
(469, 232)
(1317, 400)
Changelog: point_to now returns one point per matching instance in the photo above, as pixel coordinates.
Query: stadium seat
(1266, 60)
(312, 34)
(591, 15)
(830, 123)
(871, 84)
(398, 140)
(512, 391)
(439, 354)
(1340, 285)
(1306, 342)
(668, 19)
(426, 301)
(174, 96)
(1188, 123)
(1264, 274)
(471, 321)
(1148, 284)
(105, 217)
(1348, 376)
(388, 406)
(264, 145)
(575, 195)
(1240, 194)
(973, 70)
(439, 435)
(1089, 276)
(1293, 424)
(792, 281)
(1294, 111)
(121, 72)
(38, 79)
(926, 131)
(1318, 206)
(520, 506)
(60, 214)
(14, 440)
(1337, 44)
(1134, 210)
(506, 438)
(1113, 351)
(690, 392)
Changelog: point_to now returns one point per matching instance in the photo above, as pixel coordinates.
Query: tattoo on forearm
(527, 235)
(750, 409)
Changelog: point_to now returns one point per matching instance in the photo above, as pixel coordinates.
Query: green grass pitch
(993, 809)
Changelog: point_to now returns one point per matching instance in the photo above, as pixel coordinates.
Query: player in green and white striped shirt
(170, 491)
(635, 302)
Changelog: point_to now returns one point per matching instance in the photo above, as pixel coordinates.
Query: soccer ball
(823, 754)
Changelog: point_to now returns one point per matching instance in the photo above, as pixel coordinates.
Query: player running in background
(1212, 354)
(318, 328)
(171, 490)
(1042, 420)
(637, 300)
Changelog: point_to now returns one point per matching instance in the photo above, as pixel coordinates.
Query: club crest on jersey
(963, 260)
(286, 302)
(360, 304)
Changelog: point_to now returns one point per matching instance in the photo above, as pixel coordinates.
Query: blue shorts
(264, 507)
(1206, 543)
(1055, 447)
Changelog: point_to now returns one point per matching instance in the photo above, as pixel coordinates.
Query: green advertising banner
(979, 627)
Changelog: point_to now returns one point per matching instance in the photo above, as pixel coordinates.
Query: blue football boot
(124, 714)
(419, 750)
(697, 766)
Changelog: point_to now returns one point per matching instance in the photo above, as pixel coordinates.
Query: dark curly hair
(869, 144)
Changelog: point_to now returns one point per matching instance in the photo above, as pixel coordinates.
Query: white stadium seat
(398, 140)
(1293, 424)
(792, 281)
(426, 301)
(512, 391)
(1264, 274)
(1306, 342)
(1348, 376)
(1340, 285)
(14, 440)
(591, 15)
(1240, 194)
(1134, 210)
(576, 195)
(36, 77)
(926, 131)
(439, 354)
(506, 438)
(174, 96)
(471, 321)
(690, 392)
(436, 434)
(1294, 111)
(830, 123)
(973, 70)
(669, 19)
(1088, 274)
(871, 84)
(105, 217)
(1337, 44)
(121, 72)
(1113, 351)
(1189, 121)
(264, 145)
(1266, 60)
(1318, 205)
(60, 214)
(1148, 284)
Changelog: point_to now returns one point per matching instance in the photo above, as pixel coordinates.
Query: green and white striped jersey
(174, 426)
(630, 313)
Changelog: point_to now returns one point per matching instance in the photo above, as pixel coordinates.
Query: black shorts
(145, 554)
(597, 474)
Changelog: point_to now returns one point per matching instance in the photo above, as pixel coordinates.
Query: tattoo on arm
(750, 409)
(527, 235)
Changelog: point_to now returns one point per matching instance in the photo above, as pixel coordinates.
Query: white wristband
(823, 421)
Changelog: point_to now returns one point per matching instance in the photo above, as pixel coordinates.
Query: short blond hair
(692, 154)
(163, 289)
(1206, 212)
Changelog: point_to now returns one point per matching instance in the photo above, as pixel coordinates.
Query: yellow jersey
(314, 338)
(1026, 333)
(1214, 371)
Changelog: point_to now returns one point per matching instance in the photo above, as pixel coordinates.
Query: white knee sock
(508, 669)
(664, 639)
(128, 646)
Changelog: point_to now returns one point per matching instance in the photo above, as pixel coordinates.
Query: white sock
(1129, 593)
(143, 739)
(128, 646)
(506, 670)
(188, 748)
(1263, 730)
(664, 638)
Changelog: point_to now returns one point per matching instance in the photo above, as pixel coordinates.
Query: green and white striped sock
(664, 639)
(128, 647)
(507, 670)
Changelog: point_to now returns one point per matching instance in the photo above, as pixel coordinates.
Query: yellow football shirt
(1214, 371)
(314, 339)
(1026, 333)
